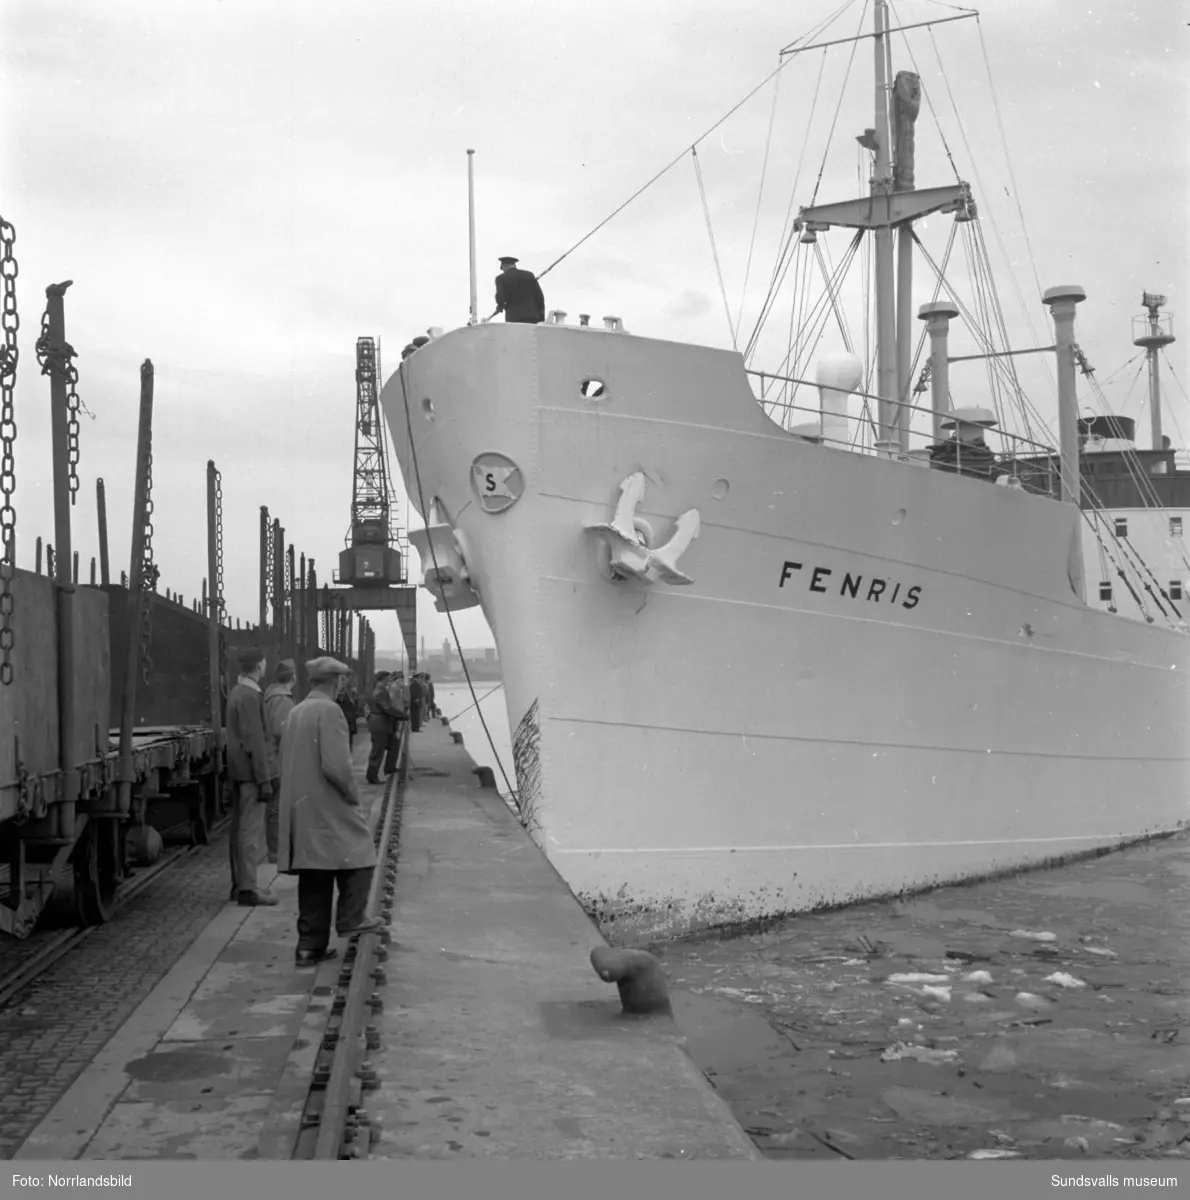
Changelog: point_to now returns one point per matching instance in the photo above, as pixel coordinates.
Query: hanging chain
(219, 545)
(270, 600)
(8, 434)
(60, 359)
(150, 571)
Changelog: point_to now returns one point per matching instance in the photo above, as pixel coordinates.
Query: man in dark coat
(248, 768)
(382, 727)
(518, 294)
(417, 702)
(348, 701)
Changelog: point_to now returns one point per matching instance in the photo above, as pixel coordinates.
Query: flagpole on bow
(471, 224)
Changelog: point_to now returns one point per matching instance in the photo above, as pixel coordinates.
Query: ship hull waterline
(880, 680)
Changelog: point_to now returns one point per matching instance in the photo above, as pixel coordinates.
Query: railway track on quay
(23, 962)
(335, 1123)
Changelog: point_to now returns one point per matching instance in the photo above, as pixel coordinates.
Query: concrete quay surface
(498, 1040)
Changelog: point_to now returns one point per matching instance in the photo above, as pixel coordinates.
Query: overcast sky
(241, 188)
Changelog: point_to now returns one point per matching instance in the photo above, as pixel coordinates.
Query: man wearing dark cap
(325, 839)
(518, 294)
(248, 769)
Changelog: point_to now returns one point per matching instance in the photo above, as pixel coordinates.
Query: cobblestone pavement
(51, 1030)
(1044, 1016)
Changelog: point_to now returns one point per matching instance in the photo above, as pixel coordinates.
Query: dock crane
(371, 573)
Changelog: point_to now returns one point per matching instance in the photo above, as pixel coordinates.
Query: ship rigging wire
(926, 97)
(788, 231)
(1172, 415)
(702, 191)
(701, 138)
(764, 168)
(1131, 387)
(445, 603)
(987, 193)
(464, 711)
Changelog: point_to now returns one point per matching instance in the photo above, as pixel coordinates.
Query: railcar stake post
(101, 508)
(59, 363)
(214, 658)
(265, 532)
(136, 586)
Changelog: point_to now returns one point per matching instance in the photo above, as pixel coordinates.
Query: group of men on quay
(296, 798)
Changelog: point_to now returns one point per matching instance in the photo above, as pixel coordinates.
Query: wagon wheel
(97, 868)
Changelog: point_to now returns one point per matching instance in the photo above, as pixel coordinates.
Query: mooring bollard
(642, 983)
(457, 738)
(487, 777)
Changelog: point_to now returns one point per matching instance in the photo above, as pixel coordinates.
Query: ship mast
(893, 203)
(1153, 333)
(881, 185)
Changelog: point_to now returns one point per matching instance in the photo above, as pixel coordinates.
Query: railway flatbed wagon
(72, 817)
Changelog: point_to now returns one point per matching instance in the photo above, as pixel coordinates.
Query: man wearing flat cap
(325, 840)
(518, 294)
(248, 768)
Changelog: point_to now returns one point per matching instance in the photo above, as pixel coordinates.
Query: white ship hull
(778, 737)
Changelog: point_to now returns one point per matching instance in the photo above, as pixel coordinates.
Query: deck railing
(1019, 462)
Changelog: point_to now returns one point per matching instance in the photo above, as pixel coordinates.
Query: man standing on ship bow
(518, 294)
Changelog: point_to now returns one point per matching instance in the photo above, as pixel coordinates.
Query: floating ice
(1064, 980)
(923, 1054)
(918, 977)
(977, 998)
(939, 993)
(994, 1154)
(1028, 1000)
(978, 977)
(1029, 935)
(1102, 951)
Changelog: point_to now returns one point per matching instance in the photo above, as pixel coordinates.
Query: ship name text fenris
(852, 585)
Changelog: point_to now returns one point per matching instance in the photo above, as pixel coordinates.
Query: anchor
(449, 582)
(625, 537)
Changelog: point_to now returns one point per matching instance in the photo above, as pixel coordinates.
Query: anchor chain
(8, 435)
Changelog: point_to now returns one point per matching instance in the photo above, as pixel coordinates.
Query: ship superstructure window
(1121, 527)
(1105, 592)
(1175, 526)
(1175, 589)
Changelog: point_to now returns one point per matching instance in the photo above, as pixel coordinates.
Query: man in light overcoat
(324, 836)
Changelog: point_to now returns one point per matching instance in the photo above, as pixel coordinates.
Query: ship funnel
(838, 375)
